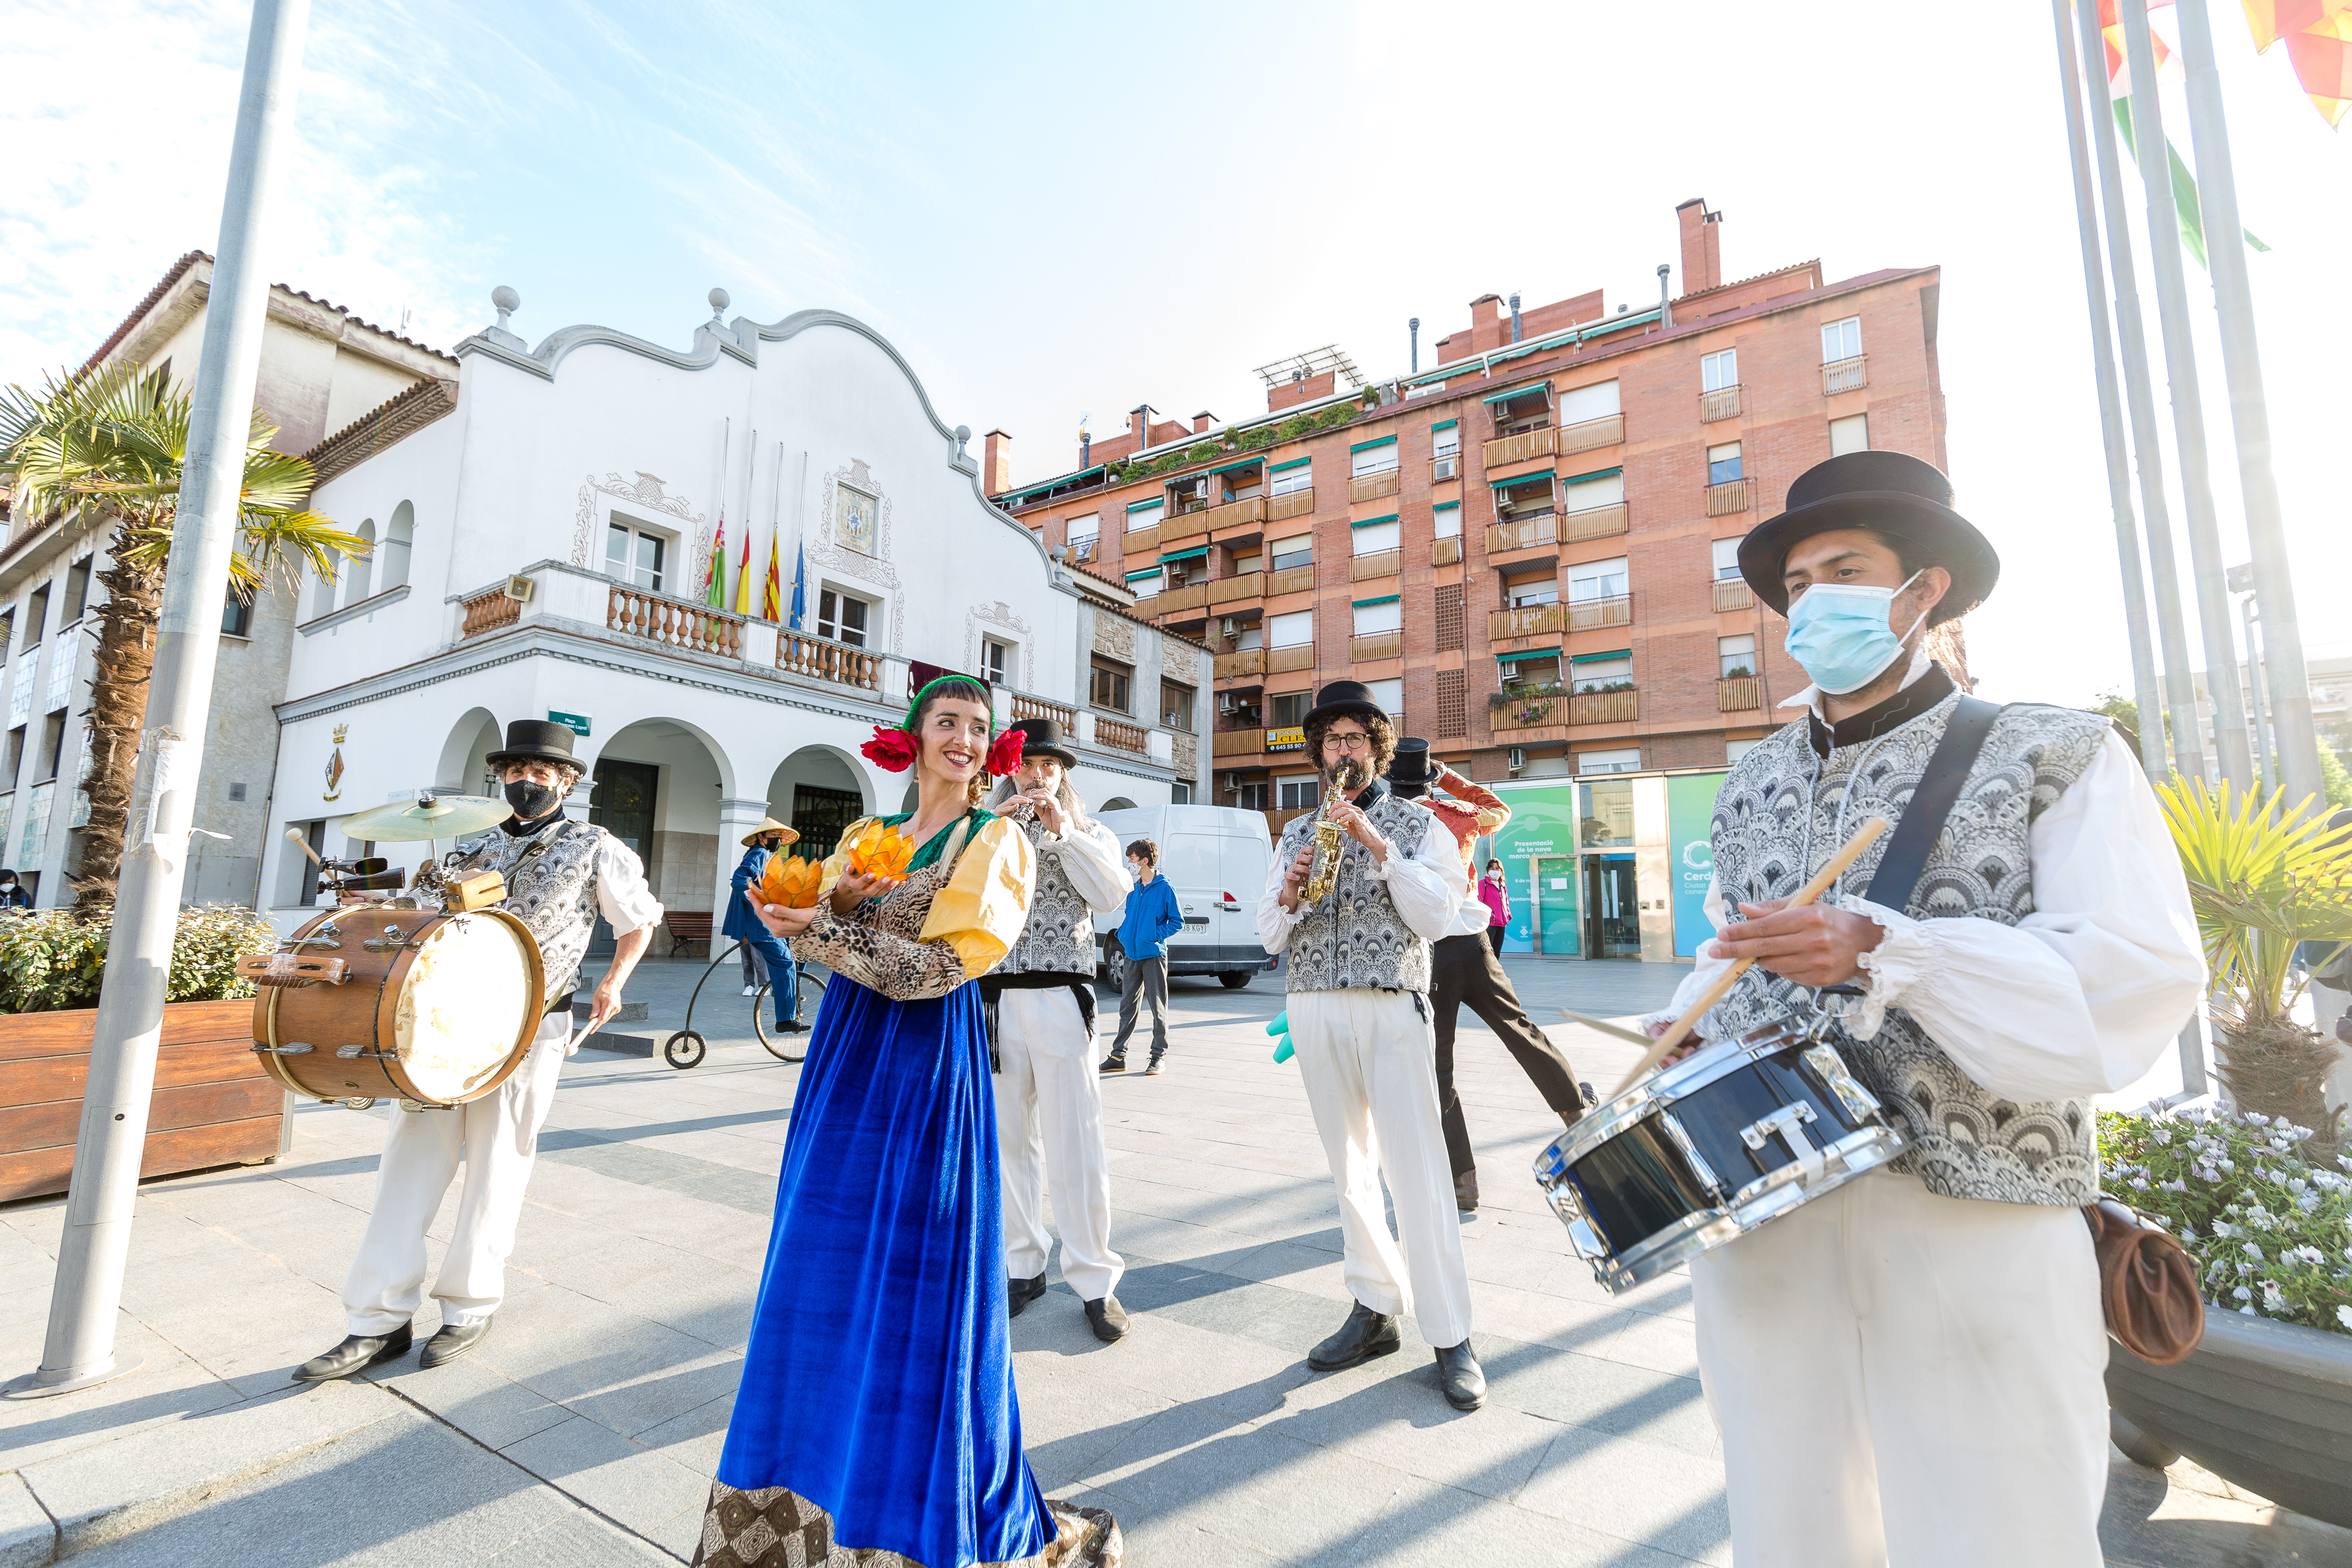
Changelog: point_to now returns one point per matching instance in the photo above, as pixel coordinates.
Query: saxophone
(1324, 869)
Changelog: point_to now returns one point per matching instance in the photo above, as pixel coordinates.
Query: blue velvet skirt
(878, 1381)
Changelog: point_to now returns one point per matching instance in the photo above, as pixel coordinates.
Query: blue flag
(799, 587)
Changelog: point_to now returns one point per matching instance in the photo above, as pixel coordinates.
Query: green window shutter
(1552, 652)
(1184, 555)
(1294, 463)
(1600, 657)
(1147, 572)
(1243, 463)
(1520, 392)
(1596, 474)
(1449, 425)
(1143, 505)
(1383, 599)
(1375, 521)
(1447, 506)
(1368, 445)
(1544, 475)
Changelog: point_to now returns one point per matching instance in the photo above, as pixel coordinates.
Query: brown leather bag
(2148, 1285)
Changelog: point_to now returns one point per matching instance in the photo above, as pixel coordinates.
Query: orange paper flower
(881, 852)
(789, 882)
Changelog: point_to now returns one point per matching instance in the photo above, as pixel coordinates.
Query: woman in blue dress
(877, 1423)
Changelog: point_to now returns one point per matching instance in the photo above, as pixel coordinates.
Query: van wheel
(1233, 979)
(1112, 972)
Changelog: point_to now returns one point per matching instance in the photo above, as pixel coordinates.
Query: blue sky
(1063, 210)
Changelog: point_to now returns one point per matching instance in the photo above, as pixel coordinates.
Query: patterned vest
(552, 888)
(1969, 1141)
(1060, 936)
(1353, 937)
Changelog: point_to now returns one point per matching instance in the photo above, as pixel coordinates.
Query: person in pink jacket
(1497, 902)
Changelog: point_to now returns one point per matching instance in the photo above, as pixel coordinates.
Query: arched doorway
(655, 786)
(462, 769)
(817, 792)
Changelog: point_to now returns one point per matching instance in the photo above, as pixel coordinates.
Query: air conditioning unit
(1232, 781)
(1085, 549)
(1518, 757)
(1229, 627)
(1446, 468)
(1225, 705)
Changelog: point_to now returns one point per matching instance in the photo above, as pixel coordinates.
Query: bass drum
(436, 1009)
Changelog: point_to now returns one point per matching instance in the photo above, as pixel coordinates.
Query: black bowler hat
(1043, 739)
(1409, 774)
(1341, 697)
(535, 740)
(1891, 493)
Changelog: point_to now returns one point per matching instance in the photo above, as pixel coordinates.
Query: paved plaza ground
(586, 1427)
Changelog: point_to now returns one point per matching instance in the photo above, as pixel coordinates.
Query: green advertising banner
(1690, 814)
(1538, 849)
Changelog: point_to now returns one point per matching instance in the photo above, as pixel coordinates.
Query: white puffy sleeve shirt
(1095, 864)
(2078, 998)
(1426, 887)
(623, 896)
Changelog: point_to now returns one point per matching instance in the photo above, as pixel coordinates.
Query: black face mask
(531, 800)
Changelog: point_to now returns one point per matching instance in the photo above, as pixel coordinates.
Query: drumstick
(294, 837)
(1863, 839)
(1606, 1028)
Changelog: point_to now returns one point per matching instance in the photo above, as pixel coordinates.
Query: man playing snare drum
(559, 875)
(1908, 1369)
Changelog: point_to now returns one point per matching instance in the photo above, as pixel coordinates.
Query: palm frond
(2262, 879)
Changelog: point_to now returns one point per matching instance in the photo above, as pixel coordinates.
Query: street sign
(575, 723)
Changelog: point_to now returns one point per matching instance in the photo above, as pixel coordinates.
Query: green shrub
(49, 961)
(2272, 1233)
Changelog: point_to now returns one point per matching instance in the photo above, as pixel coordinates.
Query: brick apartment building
(1525, 548)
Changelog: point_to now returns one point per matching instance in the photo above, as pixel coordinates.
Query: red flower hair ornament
(895, 750)
(1004, 757)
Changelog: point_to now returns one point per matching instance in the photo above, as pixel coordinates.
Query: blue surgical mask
(1841, 634)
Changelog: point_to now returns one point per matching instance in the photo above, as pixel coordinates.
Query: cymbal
(427, 817)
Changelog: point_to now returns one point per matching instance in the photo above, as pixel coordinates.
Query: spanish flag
(743, 578)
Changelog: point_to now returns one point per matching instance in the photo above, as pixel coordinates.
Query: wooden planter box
(213, 1105)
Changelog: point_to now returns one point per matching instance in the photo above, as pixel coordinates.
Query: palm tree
(109, 447)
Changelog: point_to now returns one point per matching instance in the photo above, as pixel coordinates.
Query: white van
(1214, 856)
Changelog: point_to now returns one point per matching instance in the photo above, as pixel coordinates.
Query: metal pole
(113, 1135)
(2254, 694)
(2292, 730)
(2172, 636)
(2187, 402)
(2111, 418)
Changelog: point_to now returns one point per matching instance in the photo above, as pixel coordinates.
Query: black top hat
(1044, 740)
(1891, 493)
(535, 740)
(1409, 774)
(1341, 697)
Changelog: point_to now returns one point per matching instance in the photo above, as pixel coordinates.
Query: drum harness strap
(537, 846)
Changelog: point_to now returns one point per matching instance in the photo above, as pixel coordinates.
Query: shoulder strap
(1931, 803)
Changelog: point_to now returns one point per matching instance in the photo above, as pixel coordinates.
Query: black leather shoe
(1112, 1064)
(1108, 1317)
(1020, 1293)
(1459, 1375)
(1364, 1336)
(454, 1340)
(356, 1352)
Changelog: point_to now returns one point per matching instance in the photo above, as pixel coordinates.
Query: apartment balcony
(1448, 466)
(1738, 693)
(1606, 431)
(1372, 486)
(1247, 586)
(1445, 552)
(1183, 533)
(1732, 593)
(1191, 596)
(797, 653)
(1278, 660)
(1027, 707)
(486, 612)
(1528, 621)
(674, 623)
(1593, 522)
(1233, 512)
(1225, 744)
(1366, 647)
(1290, 580)
(1723, 403)
(1508, 712)
(1604, 707)
(1519, 448)
(1844, 375)
(1726, 499)
(1140, 544)
(1297, 503)
(1118, 735)
(1525, 534)
(1248, 661)
(1591, 615)
(1376, 564)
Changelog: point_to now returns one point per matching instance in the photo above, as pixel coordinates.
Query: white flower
(2174, 1186)
(2163, 1134)
(2343, 1316)
(2139, 1184)
(2310, 1255)
(2308, 1203)
(2243, 1294)
(2248, 1312)
(2223, 1228)
(2251, 1251)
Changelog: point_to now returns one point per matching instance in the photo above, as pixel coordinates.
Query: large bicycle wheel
(789, 1048)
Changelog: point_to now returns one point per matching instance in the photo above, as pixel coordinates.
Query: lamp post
(80, 1351)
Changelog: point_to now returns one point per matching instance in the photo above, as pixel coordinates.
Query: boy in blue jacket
(1151, 918)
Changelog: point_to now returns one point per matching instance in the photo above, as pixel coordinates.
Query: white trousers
(1049, 1131)
(1370, 1061)
(499, 1137)
(1909, 1380)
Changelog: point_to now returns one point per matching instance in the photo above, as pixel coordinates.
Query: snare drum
(1709, 1149)
(435, 1008)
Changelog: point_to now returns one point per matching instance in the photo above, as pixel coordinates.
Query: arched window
(394, 550)
(322, 585)
(355, 572)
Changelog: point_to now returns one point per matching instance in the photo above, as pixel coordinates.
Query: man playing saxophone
(1359, 982)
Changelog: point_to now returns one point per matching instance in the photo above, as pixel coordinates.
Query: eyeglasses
(1352, 743)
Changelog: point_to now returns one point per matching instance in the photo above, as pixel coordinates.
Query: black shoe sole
(1378, 1348)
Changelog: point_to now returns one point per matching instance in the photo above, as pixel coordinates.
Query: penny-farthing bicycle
(686, 1048)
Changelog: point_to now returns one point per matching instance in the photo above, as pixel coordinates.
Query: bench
(685, 926)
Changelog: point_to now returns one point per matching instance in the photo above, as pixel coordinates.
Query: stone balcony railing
(801, 653)
(674, 623)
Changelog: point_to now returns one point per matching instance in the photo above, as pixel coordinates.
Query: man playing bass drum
(1909, 1369)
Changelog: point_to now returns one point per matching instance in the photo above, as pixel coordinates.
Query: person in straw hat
(766, 960)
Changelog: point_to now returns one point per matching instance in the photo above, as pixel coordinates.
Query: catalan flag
(771, 598)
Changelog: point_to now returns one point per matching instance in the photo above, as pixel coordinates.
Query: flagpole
(2153, 154)
(2172, 634)
(2110, 419)
(2292, 735)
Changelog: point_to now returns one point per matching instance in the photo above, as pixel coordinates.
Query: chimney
(1702, 245)
(1413, 329)
(1666, 298)
(1485, 323)
(1138, 424)
(1515, 318)
(1085, 449)
(996, 462)
(1202, 421)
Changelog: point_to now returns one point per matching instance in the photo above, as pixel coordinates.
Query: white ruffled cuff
(1899, 962)
(1388, 862)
